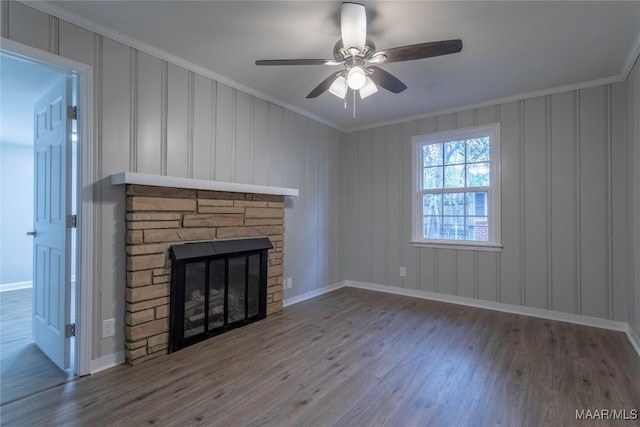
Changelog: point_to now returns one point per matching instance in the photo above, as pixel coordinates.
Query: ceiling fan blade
(324, 86)
(386, 80)
(297, 62)
(418, 51)
(353, 26)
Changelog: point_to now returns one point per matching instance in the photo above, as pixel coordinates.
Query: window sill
(471, 246)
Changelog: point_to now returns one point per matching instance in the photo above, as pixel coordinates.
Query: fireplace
(163, 212)
(215, 287)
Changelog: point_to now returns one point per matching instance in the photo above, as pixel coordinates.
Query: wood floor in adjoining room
(356, 357)
(24, 368)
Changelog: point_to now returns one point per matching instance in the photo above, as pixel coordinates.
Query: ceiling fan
(358, 56)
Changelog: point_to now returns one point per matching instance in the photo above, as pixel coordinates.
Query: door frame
(85, 198)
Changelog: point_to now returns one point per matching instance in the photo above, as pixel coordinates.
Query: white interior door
(52, 237)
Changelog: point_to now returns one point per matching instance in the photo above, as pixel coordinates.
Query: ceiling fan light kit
(357, 55)
(356, 77)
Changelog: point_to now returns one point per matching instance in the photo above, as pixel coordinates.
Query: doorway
(25, 368)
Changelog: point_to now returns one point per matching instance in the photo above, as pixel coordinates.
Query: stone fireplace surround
(163, 211)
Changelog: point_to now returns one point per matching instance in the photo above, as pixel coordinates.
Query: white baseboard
(106, 362)
(312, 294)
(15, 286)
(497, 306)
(507, 308)
(633, 338)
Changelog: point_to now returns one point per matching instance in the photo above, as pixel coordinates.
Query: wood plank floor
(356, 357)
(24, 369)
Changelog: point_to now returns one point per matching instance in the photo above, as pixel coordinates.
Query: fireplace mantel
(197, 184)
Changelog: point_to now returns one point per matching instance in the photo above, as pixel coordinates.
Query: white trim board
(106, 362)
(312, 294)
(197, 184)
(470, 302)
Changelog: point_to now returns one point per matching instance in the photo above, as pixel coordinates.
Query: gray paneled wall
(564, 207)
(155, 117)
(634, 195)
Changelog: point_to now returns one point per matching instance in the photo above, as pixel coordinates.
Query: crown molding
(505, 100)
(632, 57)
(46, 7)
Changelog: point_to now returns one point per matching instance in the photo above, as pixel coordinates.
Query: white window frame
(494, 243)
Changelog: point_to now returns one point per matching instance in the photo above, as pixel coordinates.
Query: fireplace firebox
(215, 287)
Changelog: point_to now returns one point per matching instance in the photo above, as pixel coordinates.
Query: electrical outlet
(403, 272)
(288, 283)
(108, 328)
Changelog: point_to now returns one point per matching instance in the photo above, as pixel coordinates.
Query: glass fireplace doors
(214, 293)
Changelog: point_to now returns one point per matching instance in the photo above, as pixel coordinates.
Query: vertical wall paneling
(564, 227)
(608, 206)
(379, 205)
(149, 85)
(4, 16)
(394, 200)
(177, 121)
(510, 168)
(114, 156)
(409, 254)
(276, 163)
(323, 207)
(350, 216)
(523, 207)
(549, 206)
(164, 115)
(297, 219)
(243, 159)
(225, 132)
(133, 110)
(190, 122)
(534, 202)
(28, 26)
(76, 43)
(116, 106)
(204, 128)
(291, 204)
(365, 221)
(260, 137)
(593, 201)
(620, 202)
(563, 221)
(577, 212)
(54, 35)
(310, 213)
(97, 192)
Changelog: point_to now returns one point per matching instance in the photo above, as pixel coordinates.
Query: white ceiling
(21, 85)
(510, 48)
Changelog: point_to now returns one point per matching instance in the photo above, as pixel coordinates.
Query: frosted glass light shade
(356, 77)
(353, 26)
(368, 89)
(339, 87)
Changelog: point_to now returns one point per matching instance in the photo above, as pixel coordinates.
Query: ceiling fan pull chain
(354, 103)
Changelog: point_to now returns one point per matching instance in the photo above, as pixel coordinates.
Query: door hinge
(70, 330)
(72, 221)
(72, 112)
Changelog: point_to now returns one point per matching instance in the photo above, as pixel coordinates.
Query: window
(456, 189)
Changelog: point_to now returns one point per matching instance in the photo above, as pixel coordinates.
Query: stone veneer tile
(198, 216)
(137, 203)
